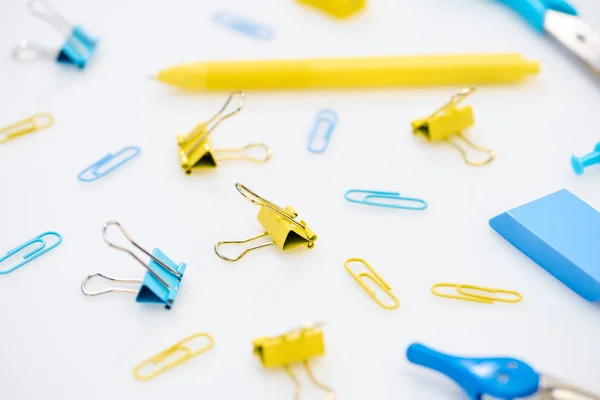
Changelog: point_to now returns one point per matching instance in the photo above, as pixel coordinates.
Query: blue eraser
(561, 233)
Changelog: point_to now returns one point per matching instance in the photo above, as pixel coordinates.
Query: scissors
(560, 20)
(496, 378)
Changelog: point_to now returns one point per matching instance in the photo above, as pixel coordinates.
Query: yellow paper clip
(376, 278)
(165, 357)
(34, 123)
(465, 292)
(293, 347)
(339, 8)
(196, 151)
(449, 121)
(281, 224)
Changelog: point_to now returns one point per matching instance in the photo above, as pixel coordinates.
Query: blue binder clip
(495, 377)
(160, 284)
(560, 232)
(41, 249)
(77, 49)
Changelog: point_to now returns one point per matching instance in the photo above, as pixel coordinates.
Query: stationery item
(40, 250)
(325, 118)
(381, 72)
(339, 9)
(77, 49)
(34, 123)
(397, 201)
(280, 223)
(580, 163)
(559, 19)
(240, 24)
(376, 278)
(560, 232)
(108, 163)
(297, 346)
(477, 294)
(195, 148)
(495, 377)
(160, 284)
(448, 122)
(163, 361)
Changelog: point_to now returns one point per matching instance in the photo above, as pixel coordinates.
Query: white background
(56, 343)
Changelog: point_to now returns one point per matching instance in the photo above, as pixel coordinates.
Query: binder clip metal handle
(87, 292)
(137, 246)
(243, 253)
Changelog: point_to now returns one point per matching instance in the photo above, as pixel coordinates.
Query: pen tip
(151, 77)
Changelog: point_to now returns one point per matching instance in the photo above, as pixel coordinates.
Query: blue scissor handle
(502, 378)
(534, 11)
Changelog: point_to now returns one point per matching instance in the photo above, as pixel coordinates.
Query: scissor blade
(576, 35)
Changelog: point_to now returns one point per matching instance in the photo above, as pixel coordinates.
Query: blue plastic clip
(77, 49)
(113, 160)
(243, 25)
(41, 249)
(160, 284)
(400, 201)
(579, 164)
(325, 117)
(500, 378)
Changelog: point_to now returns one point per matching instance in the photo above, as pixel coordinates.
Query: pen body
(351, 72)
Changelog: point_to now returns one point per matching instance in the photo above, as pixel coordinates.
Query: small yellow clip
(339, 8)
(294, 347)
(465, 293)
(195, 149)
(34, 123)
(164, 357)
(281, 224)
(450, 120)
(376, 278)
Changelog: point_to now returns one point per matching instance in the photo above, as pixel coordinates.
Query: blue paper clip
(77, 49)
(121, 159)
(371, 195)
(41, 249)
(242, 25)
(160, 284)
(325, 117)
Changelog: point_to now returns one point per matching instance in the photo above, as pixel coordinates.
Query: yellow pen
(342, 73)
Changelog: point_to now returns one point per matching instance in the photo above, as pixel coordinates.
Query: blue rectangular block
(561, 233)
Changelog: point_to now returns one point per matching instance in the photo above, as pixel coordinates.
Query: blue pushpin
(77, 49)
(579, 163)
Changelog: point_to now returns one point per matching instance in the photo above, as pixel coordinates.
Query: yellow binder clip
(449, 121)
(165, 360)
(195, 148)
(377, 279)
(290, 348)
(34, 123)
(338, 8)
(477, 294)
(279, 223)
